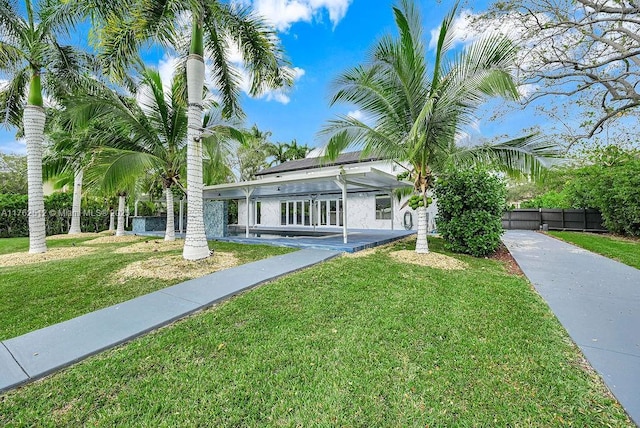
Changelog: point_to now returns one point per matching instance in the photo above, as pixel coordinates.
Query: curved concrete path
(596, 299)
(41, 352)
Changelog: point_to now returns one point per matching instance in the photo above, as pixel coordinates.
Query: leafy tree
(36, 65)
(253, 152)
(419, 112)
(583, 49)
(13, 174)
(610, 184)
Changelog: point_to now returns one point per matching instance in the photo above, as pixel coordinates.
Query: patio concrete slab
(358, 239)
(11, 374)
(596, 299)
(36, 354)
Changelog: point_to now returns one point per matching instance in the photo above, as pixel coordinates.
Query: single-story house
(351, 192)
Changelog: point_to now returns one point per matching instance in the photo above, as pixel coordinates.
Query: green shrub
(13, 215)
(612, 189)
(14, 221)
(551, 199)
(470, 206)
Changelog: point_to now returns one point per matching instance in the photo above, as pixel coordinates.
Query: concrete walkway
(41, 352)
(596, 299)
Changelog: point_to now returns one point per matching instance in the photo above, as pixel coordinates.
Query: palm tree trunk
(421, 244)
(33, 122)
(195, 243)
(120, 228)
(170, 232)
(77, 199)
(112, 221)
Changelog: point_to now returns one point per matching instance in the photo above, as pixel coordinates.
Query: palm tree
(418, 115)
(284, 152)
(216, 28)
(67, 156)
(147, 137)
(294, 151)
(31, 56)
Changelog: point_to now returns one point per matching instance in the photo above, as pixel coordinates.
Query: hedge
(14, 221)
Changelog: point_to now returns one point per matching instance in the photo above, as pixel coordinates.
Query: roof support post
(181, 219)
(247, 193)
(393, 208)
(342, 184)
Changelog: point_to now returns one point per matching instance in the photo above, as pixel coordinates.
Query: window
(383, 207)
(283, 213)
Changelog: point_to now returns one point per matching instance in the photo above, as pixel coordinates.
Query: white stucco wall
(361, 213)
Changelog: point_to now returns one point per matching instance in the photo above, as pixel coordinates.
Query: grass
(363, 342)
(624, 250)
(38, 295)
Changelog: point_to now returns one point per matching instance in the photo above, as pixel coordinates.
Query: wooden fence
(587, 220)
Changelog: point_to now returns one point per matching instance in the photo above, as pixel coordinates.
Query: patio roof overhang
(313, 182)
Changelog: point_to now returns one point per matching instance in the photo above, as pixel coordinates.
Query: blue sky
(322, 38)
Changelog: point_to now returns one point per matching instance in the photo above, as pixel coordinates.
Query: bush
(14, 221)
(551, 199)
(470, 206)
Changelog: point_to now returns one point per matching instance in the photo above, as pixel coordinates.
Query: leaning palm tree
(147, 136)
(215, 29)
(30, 57)
(418, 113)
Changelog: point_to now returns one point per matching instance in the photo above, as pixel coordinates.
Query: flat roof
(357, 179)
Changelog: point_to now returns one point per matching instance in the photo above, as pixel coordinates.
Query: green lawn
(41, 294)
(365, 342)
(624, 250)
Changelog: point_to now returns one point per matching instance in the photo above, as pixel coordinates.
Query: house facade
(312, 193)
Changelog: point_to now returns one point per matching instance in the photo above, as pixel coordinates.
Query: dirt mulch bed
(175, 267)
(112, 239)
(362, 253)
(151, 246)
(503, 255)
(434, 260)
(75, 235)
(19, 259)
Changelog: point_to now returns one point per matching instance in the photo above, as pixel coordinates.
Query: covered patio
(314, 184)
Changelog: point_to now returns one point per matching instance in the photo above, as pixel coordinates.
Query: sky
(321, 39)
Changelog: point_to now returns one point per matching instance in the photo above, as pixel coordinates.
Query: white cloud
(357, 115)
(167, 67)
(278, 95)
(284, 13)
(462, 30)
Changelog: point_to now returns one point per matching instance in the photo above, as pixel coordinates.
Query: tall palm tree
(30, 56)
(418, 111)
(216, 28)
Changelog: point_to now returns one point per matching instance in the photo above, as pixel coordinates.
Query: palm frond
(13, 98)
(528, 155)
(113, 170)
